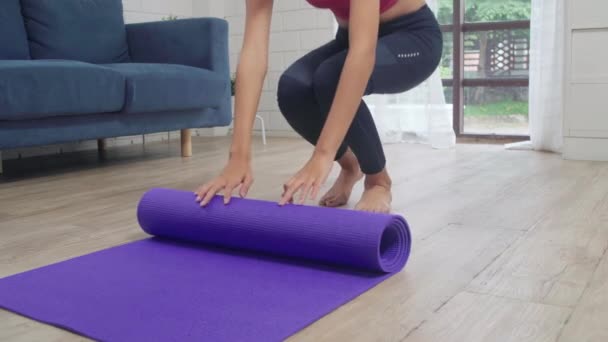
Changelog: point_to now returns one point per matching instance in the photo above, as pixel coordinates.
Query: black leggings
(408, 51)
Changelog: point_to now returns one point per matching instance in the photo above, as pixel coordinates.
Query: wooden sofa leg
(101, 145)
(186, 138)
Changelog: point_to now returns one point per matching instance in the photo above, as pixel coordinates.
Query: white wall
(296, 29)
(137, 11)
(208, 8)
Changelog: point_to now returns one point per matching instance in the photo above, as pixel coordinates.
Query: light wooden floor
(508, 245)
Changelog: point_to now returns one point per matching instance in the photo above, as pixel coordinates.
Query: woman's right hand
(236, 173)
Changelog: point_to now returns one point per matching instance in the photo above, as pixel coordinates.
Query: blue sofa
(72, 70)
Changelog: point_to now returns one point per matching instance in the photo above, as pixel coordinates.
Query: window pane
(496, 10)
(449, 94)
(447, 60)
(445, 12)
(496, 110)
(497, 54)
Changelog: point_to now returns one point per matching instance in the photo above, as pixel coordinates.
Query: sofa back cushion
(84, 30)
(13, 40)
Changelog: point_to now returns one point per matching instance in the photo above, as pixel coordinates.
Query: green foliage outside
(497, 108)
(479, 11)
(486, 10)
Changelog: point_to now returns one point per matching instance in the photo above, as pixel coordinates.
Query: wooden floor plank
(555, 260)
(479, 318)
(589, 320)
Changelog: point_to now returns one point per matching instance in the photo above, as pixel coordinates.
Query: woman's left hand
(308, 180)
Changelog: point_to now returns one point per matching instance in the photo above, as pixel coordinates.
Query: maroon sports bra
(341, 8)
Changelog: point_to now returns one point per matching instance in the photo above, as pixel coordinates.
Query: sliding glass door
(485, 66)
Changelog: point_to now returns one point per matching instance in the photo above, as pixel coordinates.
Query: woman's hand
(309, 179)
(237, 172)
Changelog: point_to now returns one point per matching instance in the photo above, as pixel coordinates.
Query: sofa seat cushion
(13, 39)
(90, 31)
(170, 87)
(44, 88)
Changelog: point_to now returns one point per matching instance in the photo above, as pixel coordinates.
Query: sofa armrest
(198, 42)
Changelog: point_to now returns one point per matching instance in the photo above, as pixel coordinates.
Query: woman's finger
(290, 191)
(315, 191)
(202, 191)
(289, 183)
(228, 192)
(245, 186)
(286, 187)
(306, 188)
(210, 193)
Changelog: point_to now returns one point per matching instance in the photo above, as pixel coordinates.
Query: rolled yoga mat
(247, 271)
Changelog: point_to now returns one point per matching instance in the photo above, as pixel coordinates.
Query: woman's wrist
(324, 153)
(240, 147)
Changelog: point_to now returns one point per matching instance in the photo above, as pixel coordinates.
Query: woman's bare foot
(350, 174)
(377, 195)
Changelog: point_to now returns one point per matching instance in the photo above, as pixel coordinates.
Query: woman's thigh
(404, 60)
(303, 69)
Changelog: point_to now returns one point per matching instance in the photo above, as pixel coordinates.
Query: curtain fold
(547, 77)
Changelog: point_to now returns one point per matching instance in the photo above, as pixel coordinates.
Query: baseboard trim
(590, 149)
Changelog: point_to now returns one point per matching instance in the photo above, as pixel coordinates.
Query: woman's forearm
(250, 73)
(249, 82)
(356, 72)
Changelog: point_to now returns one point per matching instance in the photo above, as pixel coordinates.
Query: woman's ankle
(381, 178)
(349, 163)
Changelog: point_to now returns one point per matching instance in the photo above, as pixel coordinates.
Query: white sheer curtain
(546, 76)
(420, 115)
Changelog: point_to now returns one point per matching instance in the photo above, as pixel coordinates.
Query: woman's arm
(363, 37)
(250, 74)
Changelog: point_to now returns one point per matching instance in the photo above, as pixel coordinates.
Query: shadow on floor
(49, 165)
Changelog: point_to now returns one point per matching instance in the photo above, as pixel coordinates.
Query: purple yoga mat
(248, 271)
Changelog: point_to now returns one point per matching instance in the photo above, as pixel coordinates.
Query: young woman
(381, 47)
